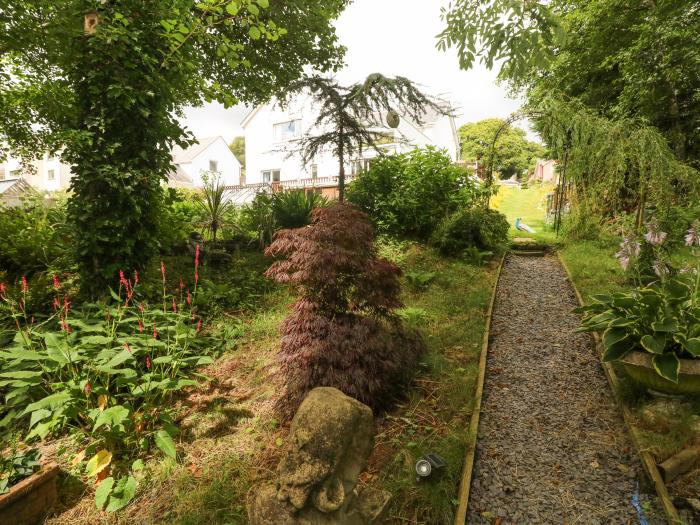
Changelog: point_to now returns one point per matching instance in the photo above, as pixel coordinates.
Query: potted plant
(654, 329)
(27, 488)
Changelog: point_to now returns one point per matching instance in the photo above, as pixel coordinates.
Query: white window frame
(268, 176)
(292, 131)
(51, 174)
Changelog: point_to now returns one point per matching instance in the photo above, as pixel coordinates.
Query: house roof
(182, 156)
(246, 120)
(6, 186)
(179, 178)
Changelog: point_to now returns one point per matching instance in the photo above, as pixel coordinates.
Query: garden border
(647, 460)
(468, 469)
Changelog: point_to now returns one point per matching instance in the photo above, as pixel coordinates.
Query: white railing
(318, 182)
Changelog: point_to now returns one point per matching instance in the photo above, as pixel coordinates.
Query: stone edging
(465, 484)
(644, 455)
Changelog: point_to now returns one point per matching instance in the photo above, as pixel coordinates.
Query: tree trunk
(341, 167)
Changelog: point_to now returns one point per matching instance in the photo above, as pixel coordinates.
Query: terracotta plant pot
(30, 500)
(640, 368)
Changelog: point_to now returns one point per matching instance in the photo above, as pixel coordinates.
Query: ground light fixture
(430, 467)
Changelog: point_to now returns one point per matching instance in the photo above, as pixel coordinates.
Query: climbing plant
(105, 83)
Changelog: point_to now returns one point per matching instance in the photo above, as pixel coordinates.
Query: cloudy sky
(394, 37)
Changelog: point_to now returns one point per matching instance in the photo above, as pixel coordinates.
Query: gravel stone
(550, 430)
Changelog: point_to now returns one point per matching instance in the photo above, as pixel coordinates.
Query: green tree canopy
(513, 153)
(106, 80)
(237, 146)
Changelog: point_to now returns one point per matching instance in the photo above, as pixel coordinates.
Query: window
(51, 175)
(287, 130)
(360, 165)
(213, 166)
(15, 174)
(271, 175)
(314, 171)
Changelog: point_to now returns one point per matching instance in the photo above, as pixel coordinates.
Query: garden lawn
(450, 310)
(666, 426)
(231, 436)
(530, 205)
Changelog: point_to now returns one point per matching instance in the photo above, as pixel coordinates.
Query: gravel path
(552, 446)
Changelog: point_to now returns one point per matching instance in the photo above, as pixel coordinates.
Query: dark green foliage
(343, 331)
(180, 215)
(479, 228)
(110, 98)
(35, 237)
(16, 465)
(292, 209)
(409, 194)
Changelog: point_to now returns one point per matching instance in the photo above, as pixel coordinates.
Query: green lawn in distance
(530, 205)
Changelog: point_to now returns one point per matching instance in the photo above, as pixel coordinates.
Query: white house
(46, 173)
(271, 132)
(210, 154)
(207, 155)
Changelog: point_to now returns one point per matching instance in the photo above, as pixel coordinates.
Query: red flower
(182, 285)
(162, 269)
(127, 348)
(189, 298)
(3, 288)
(196, 264)
(155, 332)
(174, 305)
(199, 326)
(56, 283)
(122, 279)
(88, 388)
(56, 304)
(25, 285)
(148, 362)
(140, 327)
(66, 304)
(136, 277)
(141, 307)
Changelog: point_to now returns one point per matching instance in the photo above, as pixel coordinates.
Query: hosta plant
(106, 371)
(662, 318)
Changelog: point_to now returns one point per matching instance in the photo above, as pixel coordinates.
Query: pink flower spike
(155, 332)
(56, 304)
(88, 388)
(122, 278)
(25, 285)
(127, 348)
(56, 283)
(174, 305)
(136, 277)
(148, 362)
(140, 327)
(141, 307)
(182, 284)
(162, 269)
(66, 304)
(199, 326)
(189, 298)
(3, 288)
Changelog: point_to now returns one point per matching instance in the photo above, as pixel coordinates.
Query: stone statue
(331, 439)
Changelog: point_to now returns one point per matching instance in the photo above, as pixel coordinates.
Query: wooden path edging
(647, 460)
(465, 483)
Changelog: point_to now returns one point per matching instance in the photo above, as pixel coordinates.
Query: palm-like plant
(292, 209)
(216, 204)
(350, 116)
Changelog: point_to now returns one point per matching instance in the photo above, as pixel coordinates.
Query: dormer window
(213, 166)
(289, 130)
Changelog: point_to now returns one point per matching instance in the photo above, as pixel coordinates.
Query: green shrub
(479, 228)
(292, 209)
(179, 216)
(35, 237)
(410, 194)
(107, 372)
